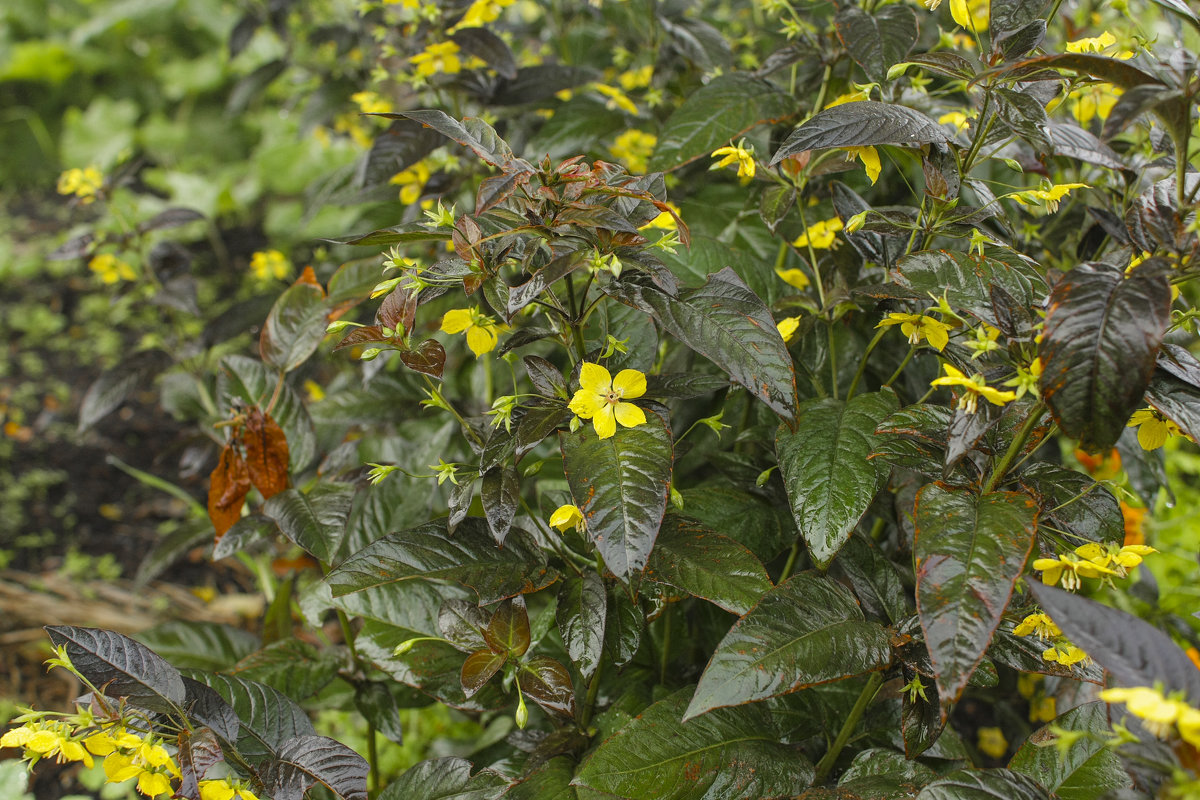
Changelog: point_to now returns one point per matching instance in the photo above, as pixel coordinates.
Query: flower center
(612, 397)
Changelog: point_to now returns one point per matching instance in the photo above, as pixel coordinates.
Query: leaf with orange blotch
(266, 453)
(228, 486)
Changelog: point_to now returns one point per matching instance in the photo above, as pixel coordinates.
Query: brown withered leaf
(228, 486)
(266, 453)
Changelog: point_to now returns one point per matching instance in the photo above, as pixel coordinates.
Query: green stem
(589, 704)
(1018, 442)
(372, 758)
(790, 564)
(664, 657)
(899, 369)
(436, 392)
(862, 365)
(985, 125)
(864, 699)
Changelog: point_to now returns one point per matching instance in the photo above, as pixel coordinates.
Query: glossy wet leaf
(808, 630)
(694, 559)
(500, 492)
(1100, 341)
(308, 761)
(378, 706)
(874, 578)
(744, 517)
(861, 124)
(191, 644)
(727, 323)
(228, 485)
(729, 754)
(478, 669)
(121, 667)
(292, 666)
(462, 623)
(315, 521)
(508, 630)
(445, 779)
(295, 326)
(877, 40)
(1135, 652)
(1074, 502)
(1086, 768)
(1024, 653)
(521, 296)
(621, 485)
(269, 718)
(882, 774)
(552, 779)
(966, 279)
(548, 683)
(829, 480)
(582, 613)
(199, 750)
(469, 557)
(624, 624)
(984, 784)
(969, 551)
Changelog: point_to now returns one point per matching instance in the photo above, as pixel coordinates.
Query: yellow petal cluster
(568, 516)
(1154, 429)
(267, 264)
(411, 182)
(787, 328)
(482, 330)
(821, 235)
(974, 388)
(84, 183)
(918, 327)
(1161, 716)
(437, 57)
(601, 398)
(223, 790)
(738, 153)
(633, 148)
(793, 277)
(869, 157)
(111, 269)
(1039, 625)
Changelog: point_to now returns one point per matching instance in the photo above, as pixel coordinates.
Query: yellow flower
(971, 14)
(616, 98)
(984, 341)
(1027, 379)
(1158, 713)
(1048, 196)
(481, 12)
(1043, 709)
(917, 327)
(411, 182)
(84, 183)
(152, 784)
(744, 156)
(1153, 428)
(1064, 654)
(1039, 625)
(43, 739)
(634, 147)
(481, 329)
(1093, 44)
(568, 516)
(371, 103)
(787, 328)
(861, 92)
(1095, 100)
(992, 742)
(869, 157)
(223, 790)
(821, 235)
(974, 387)
(1120, 559)
(111, 269)
(636, 78)
(266, 264)
(793, 277)
(1189, 725)
(664, 221)
(601, 397)
(956, 118)
(1070, 568)
(437, 57)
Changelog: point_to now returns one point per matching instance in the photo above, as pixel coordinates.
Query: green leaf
(109, 391)
(203, 706)
(121, 667)
(808, 630)
(1098, 349)
(308, 761)
(292, 666)
(581, 613)
(462, 623)
(966, 279)
(696, 560)
(876, 581)
(744, 517)
(621, 485)
(1009, 16)
(728, 324)
(862, 124)
(412, 233)
(716, 114)
(882, 774)
(829, 480)
(1082, 771)
(500, 492)
(295, 326)
(445, 779)
(269, 718)
(984, 784)
(730, 754)
(551, 779)
(1135, 652)
(624, 623)
(508, 630)
(199, 645)
(489, 47)
(472, 133)
(576, 127)
(378, 706)
(478, 669)
(469, 557)
(315, 521)
(1074, 502)
(968, 552)
(879, 40)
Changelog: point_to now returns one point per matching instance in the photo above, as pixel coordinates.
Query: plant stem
(664, 657)
(372, 758)
(862, 365)
(899, 369)
(1018, 442)
(790, 564)
(589, 704)
(864, 699)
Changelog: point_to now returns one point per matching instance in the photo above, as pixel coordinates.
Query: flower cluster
(482, 330)
(973, 388)
(84, 183)
(110, 269)
(601, 398)
(1060, 651)
(739, 153)
(267, 264)
(1161, 715)
(1091, 560)
(918, 327)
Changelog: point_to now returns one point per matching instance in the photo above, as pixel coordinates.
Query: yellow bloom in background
(634, 147)
(1160, 715)
(1093, 101)
(974, 388)
(568, 516)
(1093, 44)
(992, 743)
(437, 57)
(84, 183)
(616, 98)
(958, 119)
(481, 12)
(1043, 709)
(636, 78)
(793, 277)
(1153, 428)
(861, 92)
(821, 235)
(111, 269)
(739, 153)
(1026, 380)
(971, 14)
(917, 327)
(1064, 654)
(371, 103)
(787, 328)
(1039, 625)
(869, 157)
(601, 398)
(1048, 196)
(665, 221)
(411, 182)
(223, 790)
(267, 264)
(480, 328)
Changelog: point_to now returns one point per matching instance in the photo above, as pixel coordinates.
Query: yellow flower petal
(604, 421)
(793, 277)
(585, 403)
(629, 415)
(568, 516)
(594, 378)
(456, 321)
(481, 339)
(630, 383)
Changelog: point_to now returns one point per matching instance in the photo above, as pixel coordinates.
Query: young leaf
(478, 669)
(728, 324)
(1101, 338)
(621, 485)
(445, 779)
(120, 667)
(829, 480)
(984, 784)
(266, 453)
(199, 750)
(701, 562)
(470, 557)
(306, 761)
(228, 485)
(1083, 770)
(861, 124)
(729, 753)
(548, 683)
(969, 551)
(296, 324)
(508, 630)
(1135, 652)
(806, 631)
(315, 521)
(581, 613)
